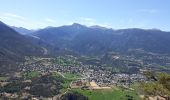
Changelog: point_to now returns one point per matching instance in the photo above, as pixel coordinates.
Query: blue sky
(117, 14)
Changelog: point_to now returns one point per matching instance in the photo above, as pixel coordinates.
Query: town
(101, 76)
(79, 75)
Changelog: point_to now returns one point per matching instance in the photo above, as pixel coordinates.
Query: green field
(72, 76)
(31, 74)
(115, 94)
(2, 78)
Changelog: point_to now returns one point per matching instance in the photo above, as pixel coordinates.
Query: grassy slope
(108, 94)
(72, 76)
(32, 74)
(2, 78)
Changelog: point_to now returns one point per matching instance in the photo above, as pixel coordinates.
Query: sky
(116, 14)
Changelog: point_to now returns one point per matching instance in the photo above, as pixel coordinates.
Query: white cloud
(91, 22)
(13, 16)
(107, 25)
(87, 21)
(151, 11)
(20, 21)
(50, 20)
(132, 23)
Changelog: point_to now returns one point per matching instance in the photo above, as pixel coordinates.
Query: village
(90, 77)
(80, 76)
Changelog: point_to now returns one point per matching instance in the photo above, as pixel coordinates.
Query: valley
(87, 63)
(84, 50)
(87, 78)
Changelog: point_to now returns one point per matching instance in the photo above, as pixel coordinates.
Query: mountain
(149, 40)
(97, 40)
(59, 35)
(22, 30)
(14, 46)
(77, 39)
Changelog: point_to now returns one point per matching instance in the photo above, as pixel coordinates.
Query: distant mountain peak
(22, 30)
(76, 24)
(98, 27)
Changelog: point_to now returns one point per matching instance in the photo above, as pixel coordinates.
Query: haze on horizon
(116, 14)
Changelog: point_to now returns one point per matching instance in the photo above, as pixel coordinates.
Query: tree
(160, 87)
(164, 79)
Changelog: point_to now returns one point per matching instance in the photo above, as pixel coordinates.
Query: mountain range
(14, 46)
(79, 39)
(97, 40)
